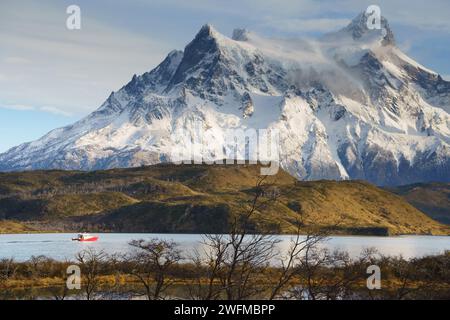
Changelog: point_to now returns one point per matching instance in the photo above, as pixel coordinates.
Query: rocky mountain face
(349, 105)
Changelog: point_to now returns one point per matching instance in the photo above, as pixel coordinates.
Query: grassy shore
(424, 278)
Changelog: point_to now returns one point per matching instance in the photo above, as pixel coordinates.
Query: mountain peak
(174, 53)
(207, 30)
(364, 26)
(342, 109)
(240, 34)
(204, 44)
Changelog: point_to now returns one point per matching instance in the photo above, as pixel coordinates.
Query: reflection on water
(61, 247)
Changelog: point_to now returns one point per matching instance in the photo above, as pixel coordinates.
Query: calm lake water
(61, 247)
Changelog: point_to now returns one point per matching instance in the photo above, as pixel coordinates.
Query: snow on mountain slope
(350, 105)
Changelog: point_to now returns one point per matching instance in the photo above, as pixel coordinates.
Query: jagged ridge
(350, 105)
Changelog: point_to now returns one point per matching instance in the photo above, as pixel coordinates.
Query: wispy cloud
(432, 15)
(55, 110)
(50, 109)
(16, 60)
(19, 107)
(306, 25)
(43, 63)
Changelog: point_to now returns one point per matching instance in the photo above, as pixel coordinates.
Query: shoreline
(121, 281)
(60, 246)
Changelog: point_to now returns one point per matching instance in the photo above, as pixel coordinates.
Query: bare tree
(300, 244)
(235, 263)
(329, 275)
(414, 278)
(151, 264)
(8, 269)
(242, 264)
(90, 262)
(60, 293)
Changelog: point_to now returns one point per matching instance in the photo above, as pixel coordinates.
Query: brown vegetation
(198, 199)
(237, 266)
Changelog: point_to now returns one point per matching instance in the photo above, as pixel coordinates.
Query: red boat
(85, 237)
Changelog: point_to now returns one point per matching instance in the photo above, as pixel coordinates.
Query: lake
(60, 246)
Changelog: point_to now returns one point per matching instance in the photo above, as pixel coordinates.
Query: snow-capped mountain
(349, 105)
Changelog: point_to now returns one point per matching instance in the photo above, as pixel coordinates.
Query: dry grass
(201, 198)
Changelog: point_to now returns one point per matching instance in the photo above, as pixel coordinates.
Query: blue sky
(50, 76)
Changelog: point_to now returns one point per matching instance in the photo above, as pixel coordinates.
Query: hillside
(431, 198)
(198, 198)
(7, 226)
